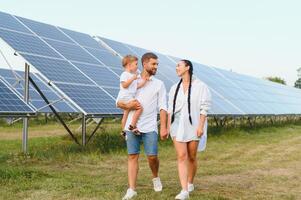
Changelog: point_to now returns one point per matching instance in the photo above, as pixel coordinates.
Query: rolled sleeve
(170, 100)
(162, 98)
(205, 101)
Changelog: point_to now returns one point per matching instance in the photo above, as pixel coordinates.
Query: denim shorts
(150, 143)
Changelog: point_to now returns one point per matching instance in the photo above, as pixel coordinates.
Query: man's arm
(163, 121)
(163, 112)
(132, 105)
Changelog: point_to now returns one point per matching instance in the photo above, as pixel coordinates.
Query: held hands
(163, 133)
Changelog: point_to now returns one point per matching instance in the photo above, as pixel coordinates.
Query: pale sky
(256, 37)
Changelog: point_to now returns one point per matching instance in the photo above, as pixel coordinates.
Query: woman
(189, 102)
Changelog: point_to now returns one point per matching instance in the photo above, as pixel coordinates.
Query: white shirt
(152, 97)
(126, 94)
(200, 101)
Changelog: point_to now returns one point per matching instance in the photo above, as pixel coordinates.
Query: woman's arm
(168, 123)
(204, 108)
(202, 121)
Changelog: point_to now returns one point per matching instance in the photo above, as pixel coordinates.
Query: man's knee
(133, 157)
(152, 159)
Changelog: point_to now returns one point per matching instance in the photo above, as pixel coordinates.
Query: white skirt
(182, 136)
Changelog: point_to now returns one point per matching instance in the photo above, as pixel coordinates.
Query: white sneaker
(183, 195)
(130, 193)
(190, 187)
(157, 184)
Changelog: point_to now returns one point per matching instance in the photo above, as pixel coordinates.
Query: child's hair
(128, 59)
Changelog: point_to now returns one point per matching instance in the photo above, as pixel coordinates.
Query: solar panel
(82, 39)
(25, 43)
(11, 103)
(164, 72)
(92, 98)
(57, 70)
(9, 22)
(66, 52)
(34, 98)
(72, 52)
(45, 30)
(121, 48)
(100, 74)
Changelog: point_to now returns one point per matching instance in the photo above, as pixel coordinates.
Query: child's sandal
(134, 130)
(123, 134)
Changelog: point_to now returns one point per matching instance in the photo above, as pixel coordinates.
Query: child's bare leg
(136, 116)
(124, 118)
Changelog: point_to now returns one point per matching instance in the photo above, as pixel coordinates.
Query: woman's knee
(182, 157)
(192, 158)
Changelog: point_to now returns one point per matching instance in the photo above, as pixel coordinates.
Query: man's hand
(132, 105)
(199, 131)
(163, 133)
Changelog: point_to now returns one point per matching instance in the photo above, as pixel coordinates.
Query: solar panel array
(232, 93)
(67, 59)
(86, 71)
(16, 80)
(11, 103)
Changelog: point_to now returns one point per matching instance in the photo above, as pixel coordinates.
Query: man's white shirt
(152, 97)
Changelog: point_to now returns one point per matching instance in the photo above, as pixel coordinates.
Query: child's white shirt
(127, 94)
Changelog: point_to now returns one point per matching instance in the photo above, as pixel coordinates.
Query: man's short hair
(147, 56)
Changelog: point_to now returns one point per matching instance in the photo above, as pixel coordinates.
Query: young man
(152, 97)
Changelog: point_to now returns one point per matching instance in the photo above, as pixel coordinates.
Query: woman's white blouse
(200, 101)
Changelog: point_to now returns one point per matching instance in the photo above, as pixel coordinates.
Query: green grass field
(263, 163)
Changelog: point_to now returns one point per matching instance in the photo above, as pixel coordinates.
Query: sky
(260, 38)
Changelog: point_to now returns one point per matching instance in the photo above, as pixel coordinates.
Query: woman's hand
(200, 131)
(163, 133)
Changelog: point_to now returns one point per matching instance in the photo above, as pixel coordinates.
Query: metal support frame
(94, 131)
(25, 119)
(84, 129)
(53, 110)
(84, 119)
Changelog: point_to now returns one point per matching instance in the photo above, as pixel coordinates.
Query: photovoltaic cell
(72, 52)
(100, 74)
(57, 70)
(45, 30)
(10, 103)
(34, 98)
(27, 43)
(9, 22)
(91, 98)
(81, 38)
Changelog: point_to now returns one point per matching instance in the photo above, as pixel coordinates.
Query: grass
(262, 163)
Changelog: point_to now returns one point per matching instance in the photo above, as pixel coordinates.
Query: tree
(298, 82)
(276, 80)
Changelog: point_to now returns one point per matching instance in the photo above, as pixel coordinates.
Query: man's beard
(152, 72)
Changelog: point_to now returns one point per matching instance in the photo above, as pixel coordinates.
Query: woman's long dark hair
(188, 64)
